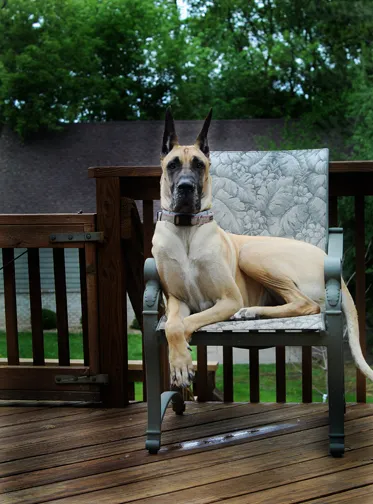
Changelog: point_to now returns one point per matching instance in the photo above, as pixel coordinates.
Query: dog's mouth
(186, 203)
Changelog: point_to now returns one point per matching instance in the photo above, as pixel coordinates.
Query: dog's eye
(171, 165)
(200, 165)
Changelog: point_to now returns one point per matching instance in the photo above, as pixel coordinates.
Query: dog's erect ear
(201, 141)
(169, 136)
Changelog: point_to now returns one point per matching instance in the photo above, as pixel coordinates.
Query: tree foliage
(103, 60)
(83, 60)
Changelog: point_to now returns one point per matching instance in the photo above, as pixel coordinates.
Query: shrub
(49, 318)
(135, 324)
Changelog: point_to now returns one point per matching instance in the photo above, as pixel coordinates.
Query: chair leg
(153, 385)
(336, 386)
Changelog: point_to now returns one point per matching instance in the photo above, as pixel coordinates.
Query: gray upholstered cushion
(279, 193)
(305, 323)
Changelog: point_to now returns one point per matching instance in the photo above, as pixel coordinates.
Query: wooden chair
(282, 193)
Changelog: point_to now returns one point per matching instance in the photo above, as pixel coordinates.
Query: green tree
(45, 47)
(286, 58)
(136, 46)
(360, 101)
(102, 60)
(82, 60)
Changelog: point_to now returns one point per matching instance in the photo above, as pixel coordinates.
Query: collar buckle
(183, 220)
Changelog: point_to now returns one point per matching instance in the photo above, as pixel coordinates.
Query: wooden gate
(37, 377)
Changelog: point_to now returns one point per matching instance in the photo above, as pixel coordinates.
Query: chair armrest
(152, 288)
(333, 271)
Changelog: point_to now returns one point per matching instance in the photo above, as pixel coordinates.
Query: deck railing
(24, 378)
(128, 238)
(112, 268)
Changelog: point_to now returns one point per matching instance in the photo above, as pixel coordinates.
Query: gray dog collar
(181, 219)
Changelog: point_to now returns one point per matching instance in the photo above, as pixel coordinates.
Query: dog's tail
(348, 307)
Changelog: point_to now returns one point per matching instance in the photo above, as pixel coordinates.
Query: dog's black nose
(185, 186)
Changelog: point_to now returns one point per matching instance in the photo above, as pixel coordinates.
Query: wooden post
(112, 294)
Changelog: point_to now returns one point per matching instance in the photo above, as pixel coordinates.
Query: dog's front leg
(181, 366)
(222, 310)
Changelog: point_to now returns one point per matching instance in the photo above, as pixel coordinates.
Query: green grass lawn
(241, 371)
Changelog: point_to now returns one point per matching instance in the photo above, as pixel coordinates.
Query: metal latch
(81, 380)
(91, 236)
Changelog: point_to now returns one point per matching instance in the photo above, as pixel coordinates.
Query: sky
(183, 8)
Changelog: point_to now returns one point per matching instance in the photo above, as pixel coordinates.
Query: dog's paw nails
(182, 372)
(189, 347)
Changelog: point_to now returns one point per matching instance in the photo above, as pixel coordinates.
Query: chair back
(274, 193)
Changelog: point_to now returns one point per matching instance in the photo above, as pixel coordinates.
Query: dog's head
(185, 182)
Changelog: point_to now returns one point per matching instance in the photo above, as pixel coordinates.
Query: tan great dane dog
(209, 275)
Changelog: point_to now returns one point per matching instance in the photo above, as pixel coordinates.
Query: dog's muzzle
(186, 197)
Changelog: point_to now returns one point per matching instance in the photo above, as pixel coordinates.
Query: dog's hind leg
(276, 276)
(181, 366)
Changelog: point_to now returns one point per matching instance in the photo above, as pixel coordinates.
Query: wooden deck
(236, 453)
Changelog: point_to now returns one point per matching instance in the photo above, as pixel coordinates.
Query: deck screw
(58, 379)
(53, 237)
(88, 236)
(70, 237)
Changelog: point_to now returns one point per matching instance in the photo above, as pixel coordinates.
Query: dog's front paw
(245, 314)
(181, 368)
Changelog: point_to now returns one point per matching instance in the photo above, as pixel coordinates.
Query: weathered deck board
(67, 455)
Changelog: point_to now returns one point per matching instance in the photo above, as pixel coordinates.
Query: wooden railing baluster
(83, 298)
(333, 211)
(202, 373)
(148, 227)
(36, 307)
(10, 306)
(254, 375)
(228, 373)
(360, 289)
(148, 223)
(61, 307)
(280, 375)
(307, 374)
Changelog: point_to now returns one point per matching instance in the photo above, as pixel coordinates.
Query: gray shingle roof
(49, 173)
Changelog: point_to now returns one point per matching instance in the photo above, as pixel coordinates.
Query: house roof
(49, 173)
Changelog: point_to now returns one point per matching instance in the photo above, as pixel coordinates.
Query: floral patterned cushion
(291, 324)
(277, 193)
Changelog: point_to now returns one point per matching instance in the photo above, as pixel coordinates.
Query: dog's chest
(184, 261)
(193, 288)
